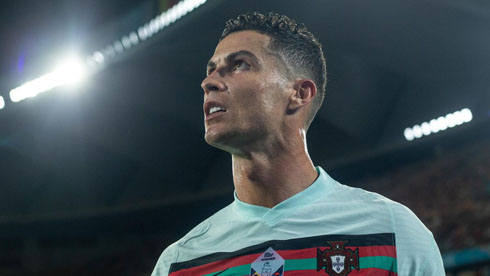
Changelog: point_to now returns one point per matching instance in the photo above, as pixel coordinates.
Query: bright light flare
(73, 71)
(440, 124)
(2, 102)
(69, 72)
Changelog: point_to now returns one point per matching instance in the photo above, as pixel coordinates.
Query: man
(264, 85)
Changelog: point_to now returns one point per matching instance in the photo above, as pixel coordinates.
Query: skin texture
(263, 127)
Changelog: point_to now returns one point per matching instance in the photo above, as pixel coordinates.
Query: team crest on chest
(337, 261)
(270, 263)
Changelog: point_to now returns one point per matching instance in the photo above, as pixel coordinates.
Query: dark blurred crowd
(449, 192)
(133, 260)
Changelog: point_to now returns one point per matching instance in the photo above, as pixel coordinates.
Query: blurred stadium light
(69, 72)
(435, 125)
(2, 102)
(73, 71)
(144, 32)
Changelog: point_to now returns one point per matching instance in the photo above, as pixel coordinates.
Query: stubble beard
(237, 141)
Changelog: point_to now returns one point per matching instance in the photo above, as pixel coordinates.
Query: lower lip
(214, 115)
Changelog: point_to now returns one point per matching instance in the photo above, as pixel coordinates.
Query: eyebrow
(232, 56)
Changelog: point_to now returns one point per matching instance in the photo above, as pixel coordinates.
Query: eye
(209, 71)
(240, 65)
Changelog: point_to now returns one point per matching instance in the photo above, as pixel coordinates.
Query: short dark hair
(298, 47)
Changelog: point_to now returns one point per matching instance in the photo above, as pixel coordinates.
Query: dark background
(120, 161)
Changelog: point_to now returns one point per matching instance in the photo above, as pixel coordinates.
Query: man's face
(245, 93)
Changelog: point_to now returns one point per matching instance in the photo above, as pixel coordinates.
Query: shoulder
(417, 251)
(371, 205)
(361, 195)
(184, 248)
(366, 200)
(194, 237)
(403, 220)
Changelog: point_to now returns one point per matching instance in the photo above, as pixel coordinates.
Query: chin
(214, 133)
(208, 139)
(218, 140)
(212, 138)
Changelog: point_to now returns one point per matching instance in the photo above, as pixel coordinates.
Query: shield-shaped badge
(338, 263)
(338, 260)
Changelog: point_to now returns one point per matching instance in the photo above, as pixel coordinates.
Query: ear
(304, 93)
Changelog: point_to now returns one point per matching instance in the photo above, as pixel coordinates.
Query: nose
(212, 83)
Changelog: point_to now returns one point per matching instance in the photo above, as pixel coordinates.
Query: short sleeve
(416, 249)
(433, 264)
(168, 256)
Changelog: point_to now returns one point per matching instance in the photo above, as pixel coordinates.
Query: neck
(272, 175)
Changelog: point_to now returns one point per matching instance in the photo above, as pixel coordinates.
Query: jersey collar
(321, 186)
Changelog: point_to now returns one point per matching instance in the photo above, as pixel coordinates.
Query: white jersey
(327, 229)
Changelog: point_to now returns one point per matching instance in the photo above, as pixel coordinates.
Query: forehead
(251, 41)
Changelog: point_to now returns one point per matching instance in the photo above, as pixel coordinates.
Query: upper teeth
(215, 109)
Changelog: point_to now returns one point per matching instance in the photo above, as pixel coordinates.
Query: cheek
(259, 101)
(261, 109)
(252, 105)
(274, 100)
(260, 98)
(248, 94)
(277, 96)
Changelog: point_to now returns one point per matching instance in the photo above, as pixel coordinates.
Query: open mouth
(213, 108)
